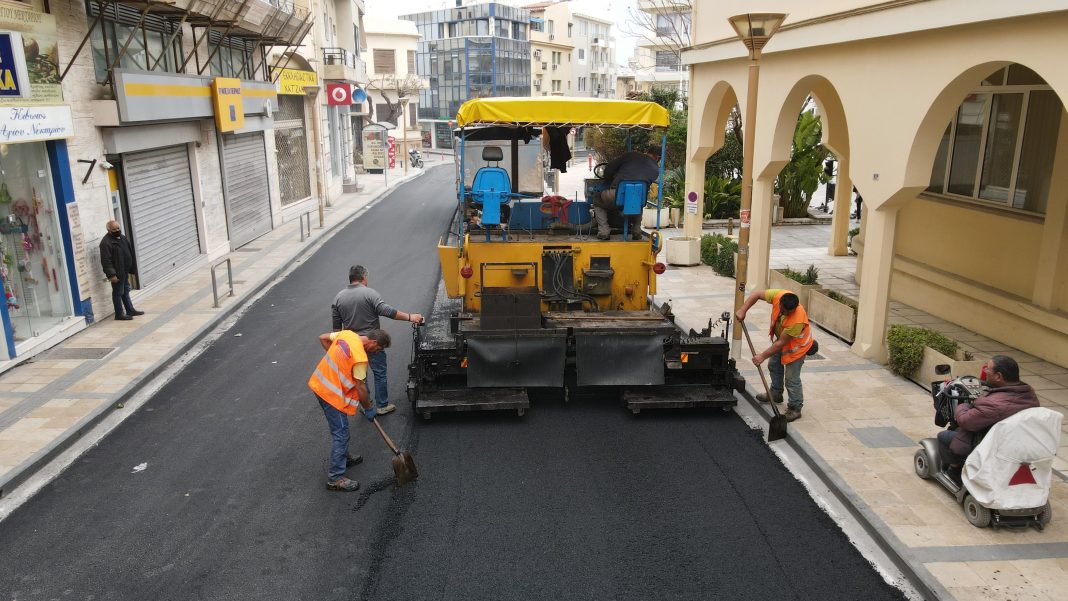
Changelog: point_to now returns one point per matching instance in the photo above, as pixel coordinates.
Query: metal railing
(305, 233)
(229, 281)
(339, 56)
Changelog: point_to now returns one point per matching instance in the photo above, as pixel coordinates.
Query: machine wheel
(977, 515)
(922, 463)
(426, 415)
(1046, 516)
(413, 395)
(520, 412)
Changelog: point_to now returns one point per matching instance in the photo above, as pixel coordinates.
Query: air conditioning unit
(544, 65)
(555, 66)
(537, 54)
(537, 84)
(552, 37)
(596, 40)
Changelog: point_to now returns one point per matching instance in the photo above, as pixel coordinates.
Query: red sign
(338, 94)
(744, 215)
(392, 152)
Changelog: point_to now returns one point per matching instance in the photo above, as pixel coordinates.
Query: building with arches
(948, 116)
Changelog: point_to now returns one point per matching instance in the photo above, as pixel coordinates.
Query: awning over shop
(558, 110)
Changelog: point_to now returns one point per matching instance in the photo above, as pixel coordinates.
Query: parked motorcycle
(414, 158)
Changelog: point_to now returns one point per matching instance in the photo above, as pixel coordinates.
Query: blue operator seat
(491, 187)
(630, 194)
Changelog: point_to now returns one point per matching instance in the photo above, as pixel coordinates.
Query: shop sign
(13, 80)
(374, 149)
(35, 123)
(293, 81)
(156, 96)
(392, 152)
(229, 107)
(81, 270)
(35, 39)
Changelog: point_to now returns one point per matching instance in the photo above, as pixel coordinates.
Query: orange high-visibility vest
(799, 345)
(332, 379)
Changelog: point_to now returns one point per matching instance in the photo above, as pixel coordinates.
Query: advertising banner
(392, 152)
(292, 82)
(35, 123)
(39, 48)
(374, 149)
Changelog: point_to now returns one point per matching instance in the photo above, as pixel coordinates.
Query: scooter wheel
(1046, 516)
(922, 463)
(977, 515)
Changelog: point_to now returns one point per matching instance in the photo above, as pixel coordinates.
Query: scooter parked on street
(414, 158)
(1005, 481)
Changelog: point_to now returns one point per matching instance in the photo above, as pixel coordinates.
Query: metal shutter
(248, 201)
(163, 218)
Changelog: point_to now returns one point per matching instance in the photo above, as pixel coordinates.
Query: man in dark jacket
(1006, 396)
(630, 166)
(118, 260)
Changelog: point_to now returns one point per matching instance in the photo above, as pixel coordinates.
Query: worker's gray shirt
(358, 308)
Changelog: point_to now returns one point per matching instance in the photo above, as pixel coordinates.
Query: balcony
(340, 64)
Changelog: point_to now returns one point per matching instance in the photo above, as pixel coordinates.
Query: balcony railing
(339, 56)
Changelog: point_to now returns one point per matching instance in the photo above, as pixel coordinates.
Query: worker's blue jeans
(339, 435)
(788, 377)
(378, 369)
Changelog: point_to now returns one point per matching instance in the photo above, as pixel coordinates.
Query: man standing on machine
(1006, 395)
(629, 166)
(791, 337)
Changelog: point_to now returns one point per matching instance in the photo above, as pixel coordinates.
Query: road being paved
(572, 501)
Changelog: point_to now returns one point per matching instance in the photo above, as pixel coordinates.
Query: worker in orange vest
(791, 337)
(340, 384)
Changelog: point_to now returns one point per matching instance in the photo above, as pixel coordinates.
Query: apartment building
(552, 54)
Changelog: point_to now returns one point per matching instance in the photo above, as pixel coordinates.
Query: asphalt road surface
(573, 501)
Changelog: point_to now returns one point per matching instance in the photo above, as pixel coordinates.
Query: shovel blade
(404, 468)
(777, 428)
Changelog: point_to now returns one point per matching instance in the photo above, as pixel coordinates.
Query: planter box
(649, 218)
(776, 279)
(683, 250)
(831, 315)
(927, 372)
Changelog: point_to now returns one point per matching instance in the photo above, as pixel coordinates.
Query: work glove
(369, 413)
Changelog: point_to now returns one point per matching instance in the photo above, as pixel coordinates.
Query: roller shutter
(248, 201)
(163, 219)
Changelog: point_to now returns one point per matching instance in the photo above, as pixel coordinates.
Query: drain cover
(70, 353)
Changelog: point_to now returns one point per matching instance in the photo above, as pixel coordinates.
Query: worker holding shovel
(340, 384)
(792, 340)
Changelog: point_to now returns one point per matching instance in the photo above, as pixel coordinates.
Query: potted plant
(800, 283)
(833, 312)
(925, 356)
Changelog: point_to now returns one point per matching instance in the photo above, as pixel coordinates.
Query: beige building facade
(391, 75)
(948, 117)
(551, 50)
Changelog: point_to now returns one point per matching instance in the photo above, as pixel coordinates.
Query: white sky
(609, 10)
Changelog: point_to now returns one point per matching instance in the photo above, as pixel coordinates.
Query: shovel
(403, 464)
(777, 425)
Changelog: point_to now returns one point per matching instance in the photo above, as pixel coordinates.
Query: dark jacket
(991, 407)
(632, 166)
(117, 256)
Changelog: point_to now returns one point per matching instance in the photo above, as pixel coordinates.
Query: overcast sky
(610, 10)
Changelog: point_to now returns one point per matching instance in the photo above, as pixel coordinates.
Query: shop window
(1000, 147)
(32, 258)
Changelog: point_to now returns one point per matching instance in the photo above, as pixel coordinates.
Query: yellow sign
(226, 98)
(293, 81)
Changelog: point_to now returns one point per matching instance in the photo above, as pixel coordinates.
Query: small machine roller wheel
(520, 412)
(1046, 516)
(977, 515)
(922, 463)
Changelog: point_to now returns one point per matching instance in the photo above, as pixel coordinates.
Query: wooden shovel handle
(389, 441)
(763, 380)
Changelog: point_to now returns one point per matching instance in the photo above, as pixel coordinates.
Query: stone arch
(831, 110)
(296, 61)
(712, 123)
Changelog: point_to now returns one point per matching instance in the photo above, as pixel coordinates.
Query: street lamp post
(404, 131)
(754, 29)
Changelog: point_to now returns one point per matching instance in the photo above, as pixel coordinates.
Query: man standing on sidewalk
(791, 337)
(358, 308)
(119, 262)
(339, 383)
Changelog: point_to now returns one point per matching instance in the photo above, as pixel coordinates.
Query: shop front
(38, 267)
(291, 136)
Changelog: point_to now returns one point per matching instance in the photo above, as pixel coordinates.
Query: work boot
(792, 414)
(351, 460)
(135, 312)
(775, 396)
(343, 484)
(388, 408)
(602, 236)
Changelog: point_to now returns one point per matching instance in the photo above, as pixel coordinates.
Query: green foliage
(853, 232)
(726, 163)
(718, 251)
(609, 142)
(810, 277)
(804, 173)
(905, 345)
(674, 188)
(723, 197)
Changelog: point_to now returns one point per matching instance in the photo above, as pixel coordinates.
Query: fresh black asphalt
(572, 501)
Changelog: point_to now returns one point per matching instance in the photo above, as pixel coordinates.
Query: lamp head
(755, 29)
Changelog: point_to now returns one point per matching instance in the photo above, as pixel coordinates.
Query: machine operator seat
(630, 195)
(491, 187)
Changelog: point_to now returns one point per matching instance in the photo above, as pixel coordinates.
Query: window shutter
(411, 62)
(385, 61)
(413, 114)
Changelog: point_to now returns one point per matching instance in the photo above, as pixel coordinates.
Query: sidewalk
(861, 426)
(47, 402)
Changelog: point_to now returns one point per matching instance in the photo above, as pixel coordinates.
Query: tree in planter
(905, 346)
(804, 173)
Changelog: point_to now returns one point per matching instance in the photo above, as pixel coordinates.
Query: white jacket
(1029, 439)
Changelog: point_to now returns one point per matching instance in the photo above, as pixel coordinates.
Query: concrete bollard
(730, 226)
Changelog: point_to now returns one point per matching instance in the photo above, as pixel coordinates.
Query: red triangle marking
(1023, 476)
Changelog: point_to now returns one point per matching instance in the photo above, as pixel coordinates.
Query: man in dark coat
(1006, 396)
(630, 166)
(118, 260)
